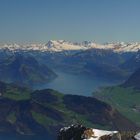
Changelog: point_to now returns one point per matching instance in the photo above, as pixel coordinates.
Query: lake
(77, 84)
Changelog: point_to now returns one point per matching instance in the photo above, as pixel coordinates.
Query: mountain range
(113, 61)
(62, 45)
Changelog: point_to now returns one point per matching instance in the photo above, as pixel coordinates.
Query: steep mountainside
(133, 80)
(24, 70)
(46, 111)
(133, 63)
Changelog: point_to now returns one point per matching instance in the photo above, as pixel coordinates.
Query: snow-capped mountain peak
(62, 45)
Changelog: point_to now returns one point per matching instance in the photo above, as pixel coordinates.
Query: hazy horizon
(44, 42)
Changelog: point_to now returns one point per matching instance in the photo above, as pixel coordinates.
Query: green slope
(126, 100)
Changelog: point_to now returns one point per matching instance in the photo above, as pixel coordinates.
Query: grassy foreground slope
(126, 100)
(27, 112)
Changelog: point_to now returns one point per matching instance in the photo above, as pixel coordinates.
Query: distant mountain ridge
(24, 70)
(62, 45)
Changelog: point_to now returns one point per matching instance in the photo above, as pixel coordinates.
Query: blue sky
(72, 20)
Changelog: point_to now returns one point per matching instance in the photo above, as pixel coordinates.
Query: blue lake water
(77, 84)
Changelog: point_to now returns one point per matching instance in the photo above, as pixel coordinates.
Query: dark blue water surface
(77, 84)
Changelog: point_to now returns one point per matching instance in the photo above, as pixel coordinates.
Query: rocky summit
(80, 132)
